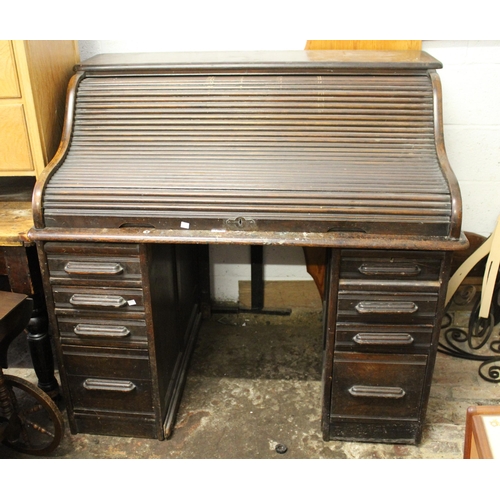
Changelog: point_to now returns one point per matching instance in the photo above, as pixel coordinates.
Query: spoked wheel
(38, 427)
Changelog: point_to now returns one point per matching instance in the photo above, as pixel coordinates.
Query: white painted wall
(471, 108)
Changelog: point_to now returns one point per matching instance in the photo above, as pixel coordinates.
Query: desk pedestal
(126, 315)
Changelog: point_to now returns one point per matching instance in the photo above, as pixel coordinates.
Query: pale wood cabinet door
(9, 86)
(15, 153)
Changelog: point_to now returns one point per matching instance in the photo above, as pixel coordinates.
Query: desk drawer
(104, 332)
(108, 379)
(99, 299)
(127, 395)
(64, 269)
(377, 385)
(381, 337)
(390, 265)
(106, 362)
(386, 307)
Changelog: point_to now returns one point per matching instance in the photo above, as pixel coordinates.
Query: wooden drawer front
(380, 337)
(106, 362)
(76, 268)
(382, 307)
(103, 299)
(387, 265)
(111, 394)
(108, 379)
(377, 385)
(97, 331)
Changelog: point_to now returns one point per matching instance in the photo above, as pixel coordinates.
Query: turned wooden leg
(24, 277)
(41, 351)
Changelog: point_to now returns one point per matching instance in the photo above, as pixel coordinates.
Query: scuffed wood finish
(15, 222)
(284, 238)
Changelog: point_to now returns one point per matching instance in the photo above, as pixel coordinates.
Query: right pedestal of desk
(383, 317)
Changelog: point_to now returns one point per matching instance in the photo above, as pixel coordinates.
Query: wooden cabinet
(34, 75)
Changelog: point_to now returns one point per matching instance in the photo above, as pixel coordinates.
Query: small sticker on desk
(131, 302)
(185, 225)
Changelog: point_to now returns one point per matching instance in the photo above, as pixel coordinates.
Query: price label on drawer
(131, 302)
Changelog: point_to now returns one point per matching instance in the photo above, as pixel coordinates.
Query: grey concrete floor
(254, 382)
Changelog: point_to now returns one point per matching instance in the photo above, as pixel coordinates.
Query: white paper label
(185, 225)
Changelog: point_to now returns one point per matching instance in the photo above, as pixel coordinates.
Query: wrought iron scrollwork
(463, 343)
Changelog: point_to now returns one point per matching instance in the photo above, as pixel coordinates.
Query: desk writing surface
(16, 216)
(15, 222)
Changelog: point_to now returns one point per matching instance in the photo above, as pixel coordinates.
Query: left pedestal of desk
(125, 318)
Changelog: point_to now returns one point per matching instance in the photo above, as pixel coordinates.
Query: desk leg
(41, 352)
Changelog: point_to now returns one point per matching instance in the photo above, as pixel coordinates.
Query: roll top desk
(164, 154)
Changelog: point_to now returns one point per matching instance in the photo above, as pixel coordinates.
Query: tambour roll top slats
(301, 150)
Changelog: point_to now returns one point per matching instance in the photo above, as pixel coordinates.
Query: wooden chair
(30, 422)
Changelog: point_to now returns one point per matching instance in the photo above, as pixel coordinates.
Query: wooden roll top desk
(163, 154)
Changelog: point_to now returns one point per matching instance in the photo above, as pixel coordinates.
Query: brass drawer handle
(383, 339)
(386, 307)
(95, 384)
(101, 268)
(101, 331)
(80, 299)
(367, 391)
(390, 270)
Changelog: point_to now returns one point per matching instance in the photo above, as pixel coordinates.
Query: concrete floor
(255, 382)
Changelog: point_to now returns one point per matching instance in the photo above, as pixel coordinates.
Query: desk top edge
(332, 240)
(291, 59)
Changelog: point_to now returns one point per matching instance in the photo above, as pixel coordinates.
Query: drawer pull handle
(101, 268)
(101, 331)
(367, 391)
(383, 339)
(95, 384)
(386, 307)
(390, 270)
(80, 299)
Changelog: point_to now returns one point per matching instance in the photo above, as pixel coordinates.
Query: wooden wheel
(37, 426)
